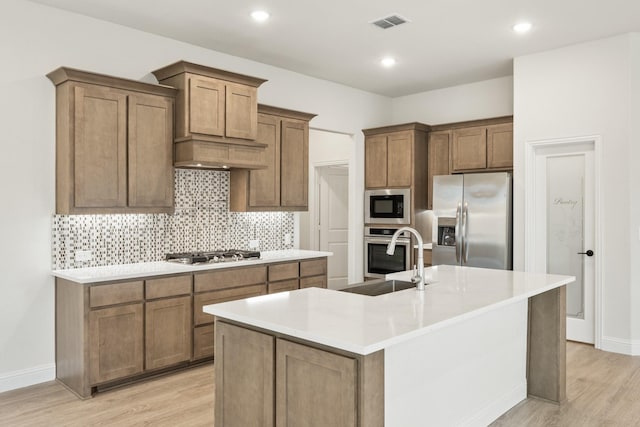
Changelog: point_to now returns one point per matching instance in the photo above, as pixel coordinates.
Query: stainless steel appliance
(472, 220)
(387, 206)
(212, 256)
(376, 261)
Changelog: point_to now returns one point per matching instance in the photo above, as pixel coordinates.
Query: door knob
(588, 253)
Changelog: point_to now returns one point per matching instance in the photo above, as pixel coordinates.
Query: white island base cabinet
(467, 374)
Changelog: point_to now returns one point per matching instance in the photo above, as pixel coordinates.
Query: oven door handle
(386, 241)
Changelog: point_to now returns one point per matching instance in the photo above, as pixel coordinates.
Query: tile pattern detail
(201, 222)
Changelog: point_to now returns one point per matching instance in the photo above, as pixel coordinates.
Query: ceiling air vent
(390, 21)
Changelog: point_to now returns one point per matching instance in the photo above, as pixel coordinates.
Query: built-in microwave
(387, 206)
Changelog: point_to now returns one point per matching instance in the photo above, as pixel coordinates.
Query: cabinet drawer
(203, 342)
(115, 293)
(167, 287)
(285, 271)
(229, 278)
(313, 282)
(283, 286)
(313, 267)
(200, 300)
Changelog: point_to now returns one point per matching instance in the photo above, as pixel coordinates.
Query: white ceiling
(447, 42)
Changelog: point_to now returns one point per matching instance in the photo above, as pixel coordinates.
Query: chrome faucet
(418, 277)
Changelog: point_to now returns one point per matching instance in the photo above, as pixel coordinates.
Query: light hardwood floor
(182, 399)
(603, 389)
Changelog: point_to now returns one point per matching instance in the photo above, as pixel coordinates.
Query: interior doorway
(332, 205)
(562, 225)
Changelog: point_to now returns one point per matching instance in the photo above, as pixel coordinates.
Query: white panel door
(333, 222)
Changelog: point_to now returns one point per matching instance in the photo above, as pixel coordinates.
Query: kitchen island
(472, 345)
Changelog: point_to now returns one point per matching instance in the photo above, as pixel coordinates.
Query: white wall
(578, 91)
(480, 100)
(330, 148)
(634, 191)
(34, 40)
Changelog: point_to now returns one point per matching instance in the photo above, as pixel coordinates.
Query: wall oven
(387, 206)
(376, 261)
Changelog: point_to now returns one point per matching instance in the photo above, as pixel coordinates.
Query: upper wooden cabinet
(438, 159)
(217, 116)
(114, 149)
(482, 147)
(283, 184)
(395, 156)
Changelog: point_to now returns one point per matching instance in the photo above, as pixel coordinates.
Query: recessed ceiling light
(388, 62)
(260, 15)
(522, 27)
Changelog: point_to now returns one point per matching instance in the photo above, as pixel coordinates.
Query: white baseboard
(490, 413)
(620, 345)
(27, 377)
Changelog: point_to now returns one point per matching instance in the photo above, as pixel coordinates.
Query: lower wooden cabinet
(314, 387)
(168, 338)
(203, 322)
(110, 332)
(244, 375)
(116, 343)
(313, 273)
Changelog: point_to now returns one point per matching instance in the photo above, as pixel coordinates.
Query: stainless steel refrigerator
(472, 220)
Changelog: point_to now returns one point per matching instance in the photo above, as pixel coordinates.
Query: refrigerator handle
(458, 233)
(465, 226)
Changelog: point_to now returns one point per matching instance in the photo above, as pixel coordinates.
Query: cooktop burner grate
(212, 256)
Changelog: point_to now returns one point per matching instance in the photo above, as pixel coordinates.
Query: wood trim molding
(189, 67)
(64, 74)
(396, 128)
(283, 112)
(473, 123)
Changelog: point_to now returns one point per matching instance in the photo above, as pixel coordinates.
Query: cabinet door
(264, 184)
(375, 161)
(399, 159)
(115, 343)
(469, 149)
(241, 111)
(500, 146)
(438, 160)
(167, 332)
(206, 106)
(314, 387)
(202, 342)
(150, 151)
(100, 148)
(294, 159)
(245, 358)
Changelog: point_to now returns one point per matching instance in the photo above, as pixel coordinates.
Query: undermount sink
(379, 287)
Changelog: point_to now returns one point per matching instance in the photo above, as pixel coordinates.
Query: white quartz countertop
(160, 268)
(365, 324)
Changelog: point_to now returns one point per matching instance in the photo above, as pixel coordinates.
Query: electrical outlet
(287, 238)
(253, 244)
(84, 255)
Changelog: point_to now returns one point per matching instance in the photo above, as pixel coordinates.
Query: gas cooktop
(212, 256)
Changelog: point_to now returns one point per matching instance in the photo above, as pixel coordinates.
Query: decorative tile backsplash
(201, 222)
